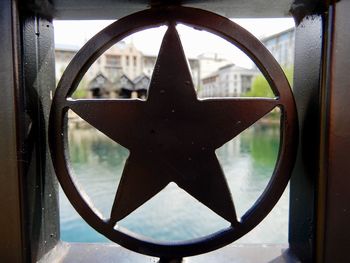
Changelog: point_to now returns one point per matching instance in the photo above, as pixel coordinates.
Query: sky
(195, 42)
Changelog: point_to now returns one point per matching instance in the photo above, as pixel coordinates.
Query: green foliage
(289, 74)
(264, 147)
(81, 92)
(261, 88)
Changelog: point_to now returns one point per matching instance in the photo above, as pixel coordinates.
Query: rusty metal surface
(11, 220)
(335, 151)
(172, 135)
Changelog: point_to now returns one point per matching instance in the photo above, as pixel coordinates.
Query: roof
(211, 75)
(277, 34)
(213, 56)
(140, 77)
(235, 67)
(66, 47)
(227, 66)
(154, 56)
(125, 76)
(94, 83)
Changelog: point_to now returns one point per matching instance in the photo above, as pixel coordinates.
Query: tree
(261, 88)
(81, 91)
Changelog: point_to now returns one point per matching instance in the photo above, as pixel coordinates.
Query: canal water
(173, 215)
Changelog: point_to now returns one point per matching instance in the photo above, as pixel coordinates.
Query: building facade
(120, 61)
(210, 62)
(63, 55)
(213, 75)
(281, 46)
(149, 61)
(228, 81)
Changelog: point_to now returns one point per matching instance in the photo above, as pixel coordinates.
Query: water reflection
(248, 162)
(86, 144)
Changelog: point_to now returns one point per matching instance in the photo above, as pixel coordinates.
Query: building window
(112, 61)
(127, 61)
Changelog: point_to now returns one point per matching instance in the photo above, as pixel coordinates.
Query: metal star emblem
(172, 136)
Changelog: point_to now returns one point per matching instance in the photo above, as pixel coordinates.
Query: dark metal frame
(319, 229)
(10, 196)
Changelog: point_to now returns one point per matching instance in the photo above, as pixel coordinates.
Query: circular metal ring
(223, 28)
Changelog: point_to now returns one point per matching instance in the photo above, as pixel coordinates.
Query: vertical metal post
(12, 240)
(307, 70)
(29, 216)
(40, 184)
(333, 231)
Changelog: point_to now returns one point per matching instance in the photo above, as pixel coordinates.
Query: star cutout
(172, 136)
